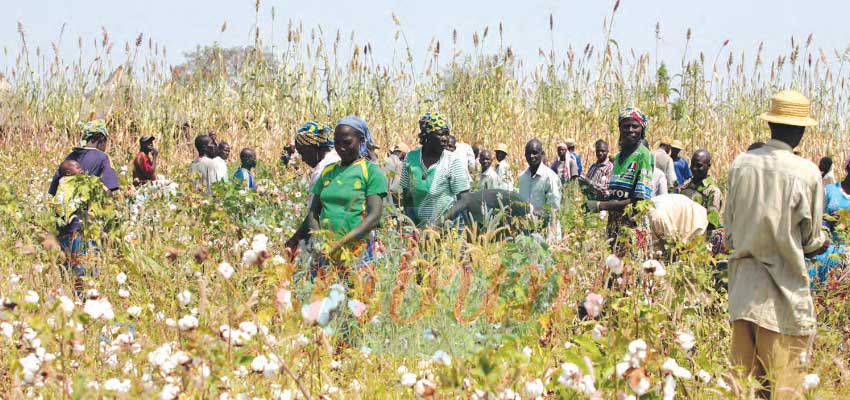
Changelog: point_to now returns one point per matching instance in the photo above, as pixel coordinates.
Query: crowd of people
(771, 231)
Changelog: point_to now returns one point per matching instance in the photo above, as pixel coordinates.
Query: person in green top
(631, 179)
(432, 178)
(347, 197)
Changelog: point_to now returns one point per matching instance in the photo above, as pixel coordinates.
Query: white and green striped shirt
(434, 189)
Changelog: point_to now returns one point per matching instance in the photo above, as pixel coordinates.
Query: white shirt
(504, 171)
(541, 189)
(220, 168)
(330, 158)
(659, 182)
(464, 150)
(206, 172)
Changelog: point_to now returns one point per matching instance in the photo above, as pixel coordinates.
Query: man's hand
(822, 249)
(154, 153)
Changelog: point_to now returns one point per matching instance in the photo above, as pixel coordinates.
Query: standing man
(221, 154)
(392, 169)
(204, 169)
(664, 162)
(683, 171)
(701, 187)
(773, 219)
(144, 164)
(489, 178)
(502, 166)
(571, 146)
(244, 177)
(599, 174)
(541, 186)
(565, 167)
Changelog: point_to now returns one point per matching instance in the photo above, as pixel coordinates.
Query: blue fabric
(245, 178)
(76, 250)
(835, 199)
(578, 162)
(360, 126)
(683, 170)
(822, 264)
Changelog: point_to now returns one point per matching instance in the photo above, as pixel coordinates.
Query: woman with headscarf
(631, 179)
(836, 198)
(432, 179)
(93, 161)
(315, 145)
(347, 198)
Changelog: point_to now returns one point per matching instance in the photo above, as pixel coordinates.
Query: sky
(180, 25)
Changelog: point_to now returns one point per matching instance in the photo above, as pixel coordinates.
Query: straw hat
(502, 147)
(676, 144)
(789, 107)
(571, 142)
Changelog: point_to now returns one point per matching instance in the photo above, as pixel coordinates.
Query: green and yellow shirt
(343, 191)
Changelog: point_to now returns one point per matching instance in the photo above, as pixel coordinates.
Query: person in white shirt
(465, 152)
(503, 168)
(542, 187)
(206, 171)
(489, 178)
(222, 153)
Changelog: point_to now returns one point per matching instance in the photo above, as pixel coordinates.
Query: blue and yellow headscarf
(433, 122)
(634, 113)
(91, 130)
(313, 134)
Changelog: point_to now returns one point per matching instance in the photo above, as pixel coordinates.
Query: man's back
(773, 216)
(206, 171)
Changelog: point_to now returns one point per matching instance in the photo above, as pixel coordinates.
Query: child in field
(69, 206)
(243, 175)
(65, 202)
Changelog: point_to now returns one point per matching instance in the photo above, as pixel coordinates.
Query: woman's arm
(374, 208)
(310, 223)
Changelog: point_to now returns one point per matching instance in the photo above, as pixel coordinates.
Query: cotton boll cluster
(187, 323)
(184, 297)
(225, 270)
(258, 251)
(442, 357)
(671, 367)
(534, 389)
(31, 297)
(99, 309)
(593, 304)
(116, 385)
(686, 340)
(424, 388)
(322, 312)
(811, 381)
(572, 377)
(240, 335)
(167, 357)
(614, 264)
(655, 268)
(268, 365)
(33, 365)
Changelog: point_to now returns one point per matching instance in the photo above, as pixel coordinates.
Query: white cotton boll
(811, 381)
(66, 304)
(123, 293)
(527, 351)
(31, 297)
(669, 391)
(704, 376)
(614, 264)
(686, 340)
(134, 311)
(660, 272)
(259, 243)
(14, 279)
(442, 357)
(355, 386)
(121, 278)
(408, 379)
(225, 270)
(534, 389)
(7, 329)
(424, 388)
(672, 367)
(170, 322)
(187, 323)
(249, 328)
(722, 384)
(621, 368)
(598, 332)
(335, 364)
(272, 366)
(569, 374)
(509, 394)
(99, 309)
(259, 363)
(116, 385)
(184, 297)
(641, 386)
(401, 370)
(169, 391)
(249, 257)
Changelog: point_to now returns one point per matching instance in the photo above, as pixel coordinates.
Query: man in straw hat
(773, 219)
(683, 170)
(502, 166)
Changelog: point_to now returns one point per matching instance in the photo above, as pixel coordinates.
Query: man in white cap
(571, 147)
(773, 219)
(680, 164)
